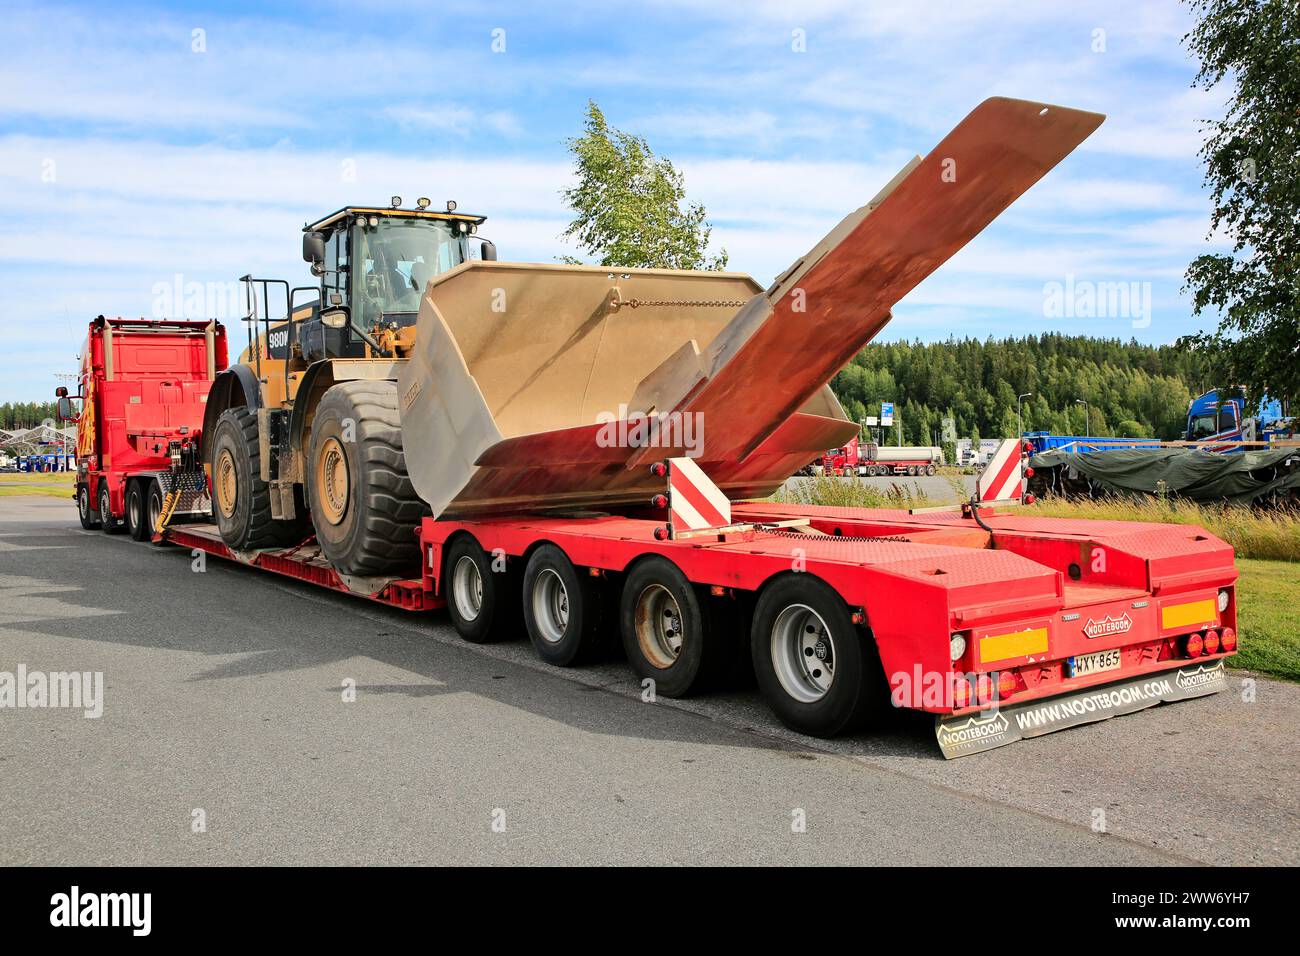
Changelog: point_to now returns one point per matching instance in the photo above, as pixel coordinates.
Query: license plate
(1086, 664)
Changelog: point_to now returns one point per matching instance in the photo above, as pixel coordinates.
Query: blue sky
(137, 154)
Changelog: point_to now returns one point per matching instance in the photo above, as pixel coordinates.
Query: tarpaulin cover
(1190, 473)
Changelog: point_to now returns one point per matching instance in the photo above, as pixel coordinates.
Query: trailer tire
(816, 669)
(561, 609)
(930, 470)
(363, 505)
(241, 500)
(137, 520)
(483, 603)
(107, 523)
(85, 511)
(667, 630)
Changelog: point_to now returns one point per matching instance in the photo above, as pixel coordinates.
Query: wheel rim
(105, 508)
(803, 653)
(333, 480)
(550, 606)
(83, 504)
(155, 512)
(133, 509)
(226, 483)
(658, 623)
(467, 588)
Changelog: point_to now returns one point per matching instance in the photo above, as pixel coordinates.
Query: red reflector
(1194, 645)
(1030, 499)
(659, 501)
(661, 533)
(659, 469)
(717, 590)
(1229, 639)
(1211, 642)
(1029, 472)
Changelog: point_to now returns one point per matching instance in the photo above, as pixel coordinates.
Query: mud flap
(975, 733)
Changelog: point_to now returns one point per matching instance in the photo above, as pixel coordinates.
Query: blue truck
(1222, 418)
(1218, 423)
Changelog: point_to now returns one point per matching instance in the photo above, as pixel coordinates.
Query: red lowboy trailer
(1002, 625)
(143, 386)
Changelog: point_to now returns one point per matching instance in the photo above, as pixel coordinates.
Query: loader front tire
(241, 500)
(363, 506)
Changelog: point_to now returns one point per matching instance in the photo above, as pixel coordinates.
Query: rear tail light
(1006, 684)
(1229, 640)
(1194, 645)
(1211, 642)
(960, 692)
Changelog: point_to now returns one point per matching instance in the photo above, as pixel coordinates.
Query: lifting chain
(689, 303)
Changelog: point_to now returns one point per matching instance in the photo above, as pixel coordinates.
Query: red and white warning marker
(693, 501)
(1004, 478)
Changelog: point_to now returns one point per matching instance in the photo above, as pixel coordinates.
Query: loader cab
(373, 265)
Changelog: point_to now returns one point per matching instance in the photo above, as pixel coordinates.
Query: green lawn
(1268, 613)
(55, 484)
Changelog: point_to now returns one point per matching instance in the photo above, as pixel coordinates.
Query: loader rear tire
(241, 500)
(364, 508)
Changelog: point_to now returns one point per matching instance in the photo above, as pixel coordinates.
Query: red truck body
(143, 386)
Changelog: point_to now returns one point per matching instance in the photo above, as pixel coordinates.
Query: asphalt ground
(224, 705)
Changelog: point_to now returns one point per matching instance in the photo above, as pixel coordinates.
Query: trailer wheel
(667, 632)
(85, 511)
(817, 671)
(363, 506)
(930, 470)
(154, 508)
(137, 522)
(481, 602)
(107, 523)
(241, 500)
(561, 609)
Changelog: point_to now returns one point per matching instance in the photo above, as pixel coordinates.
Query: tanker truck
(870, 459)
(580, 453)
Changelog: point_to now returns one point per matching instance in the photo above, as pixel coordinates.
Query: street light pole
(1087, 419)
(1020, 425)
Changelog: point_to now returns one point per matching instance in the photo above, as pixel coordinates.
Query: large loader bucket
(547, 386)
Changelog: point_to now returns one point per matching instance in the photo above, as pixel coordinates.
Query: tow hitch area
(974, 733)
